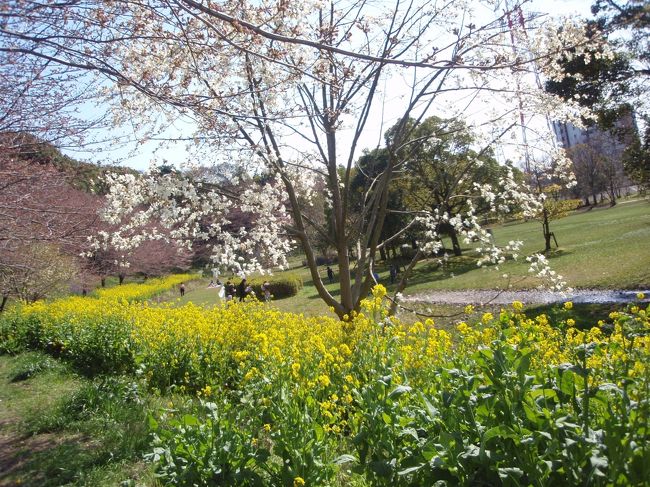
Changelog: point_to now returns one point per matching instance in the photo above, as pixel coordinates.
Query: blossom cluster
(189, 211)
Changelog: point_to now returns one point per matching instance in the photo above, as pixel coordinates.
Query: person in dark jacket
(241, 289)
(230, 290)
(330, 274)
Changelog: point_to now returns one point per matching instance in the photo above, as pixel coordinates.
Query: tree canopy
(291, 90)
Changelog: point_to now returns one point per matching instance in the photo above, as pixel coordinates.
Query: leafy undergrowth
(260, 397)
(57, 428)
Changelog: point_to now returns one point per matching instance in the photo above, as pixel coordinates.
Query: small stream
(483, 296)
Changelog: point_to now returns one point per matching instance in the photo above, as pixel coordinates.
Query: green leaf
(501, 431)
(609, 387)
(432, 412)
(522, 364)
(410, 432)
(598, 462)
(471, 451)
(399, 391)
(541, 395)
(262, 455)
(319, 431)
(189, 420)
(510, 472)
(429, 451)
(410, 470)
(531, 414)
(567, 382)
(345, 459)
(387, 419)
(360, 437)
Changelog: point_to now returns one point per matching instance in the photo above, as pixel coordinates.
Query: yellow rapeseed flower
(379, 291)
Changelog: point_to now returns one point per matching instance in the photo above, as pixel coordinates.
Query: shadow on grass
(586, 316)
(54, 462)
(336, 291)
(432, 271)
(556, 253)
(428, 270)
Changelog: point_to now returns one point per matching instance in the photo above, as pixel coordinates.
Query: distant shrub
(281, 287)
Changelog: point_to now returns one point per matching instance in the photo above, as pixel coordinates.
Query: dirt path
(485, 296)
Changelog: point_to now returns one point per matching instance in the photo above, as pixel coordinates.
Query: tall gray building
(597, 157)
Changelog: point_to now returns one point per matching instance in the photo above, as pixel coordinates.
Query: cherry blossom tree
(41, 218)
(289, 91)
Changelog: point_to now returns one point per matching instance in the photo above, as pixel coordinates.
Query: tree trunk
(403, 281)
(5, 298)
(103, 282)
(547, 231)
(454, 242)
(121, 278)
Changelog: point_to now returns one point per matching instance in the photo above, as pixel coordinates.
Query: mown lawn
(605, 247)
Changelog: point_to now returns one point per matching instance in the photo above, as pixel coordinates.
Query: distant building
(598, 157)
(568, 135)
(620, 136)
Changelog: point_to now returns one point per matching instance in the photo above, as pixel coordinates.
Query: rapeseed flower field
(261, 397)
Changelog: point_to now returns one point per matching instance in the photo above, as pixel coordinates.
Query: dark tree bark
(547, 231)
(382, 253)
(455, 243)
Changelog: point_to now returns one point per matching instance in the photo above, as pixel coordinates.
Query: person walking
(182, 289)
(330, 274)
(393, 273)
(266, 290)
(241, 289)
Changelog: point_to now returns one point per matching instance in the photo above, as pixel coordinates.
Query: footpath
(495, 296)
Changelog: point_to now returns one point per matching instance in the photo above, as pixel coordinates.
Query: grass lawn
(57, 428)
(605, 248)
